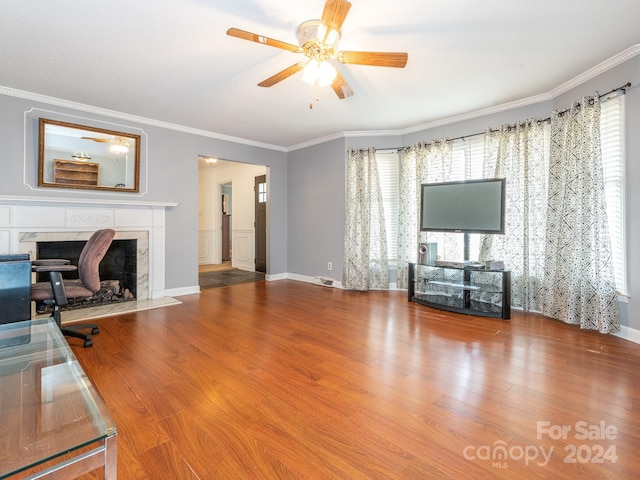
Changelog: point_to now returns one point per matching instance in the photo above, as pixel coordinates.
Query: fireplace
(27, 221)
(118, 267)
(130, 248)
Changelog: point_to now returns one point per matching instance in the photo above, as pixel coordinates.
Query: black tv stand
(474, 291)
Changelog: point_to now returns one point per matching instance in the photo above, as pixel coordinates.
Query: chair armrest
(50, 261)
(53, 268)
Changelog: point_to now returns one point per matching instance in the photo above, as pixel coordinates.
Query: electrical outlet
(329, 266)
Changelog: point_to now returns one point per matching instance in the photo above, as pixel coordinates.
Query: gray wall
(306, 209)
(316, 186)
(172, 167)
(314, 168)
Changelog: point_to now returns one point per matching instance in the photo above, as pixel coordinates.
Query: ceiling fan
(118, 144)
(318, 41)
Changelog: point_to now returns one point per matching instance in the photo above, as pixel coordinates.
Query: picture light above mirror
(83, 157)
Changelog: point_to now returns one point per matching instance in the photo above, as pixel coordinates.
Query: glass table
(53, 423)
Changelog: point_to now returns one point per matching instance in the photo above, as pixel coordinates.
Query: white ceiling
(171, 60)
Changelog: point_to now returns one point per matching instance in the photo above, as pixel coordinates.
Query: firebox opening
(118, 272)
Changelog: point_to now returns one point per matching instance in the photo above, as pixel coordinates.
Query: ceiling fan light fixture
(321, 72)
(119, 146)
(318, 42)
(321, 31)
(310, 72)
(332, 38)
(81, 155)
(326, 74)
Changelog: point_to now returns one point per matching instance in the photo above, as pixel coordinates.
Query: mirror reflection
(76, 156)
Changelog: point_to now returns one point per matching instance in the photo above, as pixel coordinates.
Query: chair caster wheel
(88, 343)
(95, 331)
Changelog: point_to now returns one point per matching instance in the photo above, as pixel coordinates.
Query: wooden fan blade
(340, 86)
(278, 77)
(96, 139)
(333, 15)
(378, 59)
(254, 37)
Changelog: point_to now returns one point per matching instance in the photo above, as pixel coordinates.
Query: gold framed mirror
(83, 157)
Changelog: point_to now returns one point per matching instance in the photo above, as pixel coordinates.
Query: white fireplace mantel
(41, 200)
(26, 220)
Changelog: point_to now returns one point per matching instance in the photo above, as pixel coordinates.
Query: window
(262, 193)
(612, 144)
(388, 173)
(468, 155)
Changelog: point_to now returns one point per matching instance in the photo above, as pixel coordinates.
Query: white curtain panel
(365, 243)
(516, 152)
(579, 285)
(408, 212)
(421, 163)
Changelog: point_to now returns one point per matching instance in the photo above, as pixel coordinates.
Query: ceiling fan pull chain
(314, 93)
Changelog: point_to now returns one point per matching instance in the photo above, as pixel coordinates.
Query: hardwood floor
(287, 380)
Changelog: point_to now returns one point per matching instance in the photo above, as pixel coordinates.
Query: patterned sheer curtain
(365, 242)
(420, 163)
(517, 153)
(579, 283)
(408, 211)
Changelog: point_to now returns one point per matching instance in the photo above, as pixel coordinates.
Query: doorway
(260, 189)
(227, 188)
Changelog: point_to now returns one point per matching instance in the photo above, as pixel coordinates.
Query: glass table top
(48, 406)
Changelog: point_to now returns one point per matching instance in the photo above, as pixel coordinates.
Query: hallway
(221, 275)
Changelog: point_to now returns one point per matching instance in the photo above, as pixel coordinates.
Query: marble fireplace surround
(24, 221)
(29, 240)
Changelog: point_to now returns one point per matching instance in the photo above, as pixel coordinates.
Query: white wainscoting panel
(208, 249)
(243, 250)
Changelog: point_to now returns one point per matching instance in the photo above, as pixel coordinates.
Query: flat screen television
(469, 206)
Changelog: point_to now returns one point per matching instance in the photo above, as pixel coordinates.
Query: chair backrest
(90, 257)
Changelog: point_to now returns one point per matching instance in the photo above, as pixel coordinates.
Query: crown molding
(543, 97)
(597, 70)
(316, 141)
(36, 97)
(565, 87)
(375, 133)
(345, 134)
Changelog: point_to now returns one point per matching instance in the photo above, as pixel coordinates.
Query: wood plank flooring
(287, 380)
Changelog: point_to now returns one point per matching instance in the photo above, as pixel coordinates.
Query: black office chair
(57, 291)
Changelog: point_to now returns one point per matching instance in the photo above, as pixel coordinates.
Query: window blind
(467, 164)
(612, 145)
(388, 172)
(468, 157)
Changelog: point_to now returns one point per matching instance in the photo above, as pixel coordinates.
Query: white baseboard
(277, 276)
(314, 280)
(176, 292)
(628, 333)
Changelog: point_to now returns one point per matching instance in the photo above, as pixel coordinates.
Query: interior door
(260, 190)
(226, 237)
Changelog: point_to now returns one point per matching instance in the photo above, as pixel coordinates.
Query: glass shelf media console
(473, 291)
